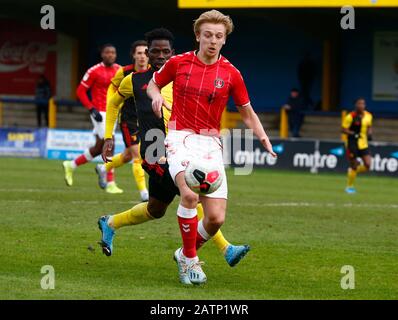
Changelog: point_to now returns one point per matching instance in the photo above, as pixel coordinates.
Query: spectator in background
(306, 73)
(42, 95)
(295, 108)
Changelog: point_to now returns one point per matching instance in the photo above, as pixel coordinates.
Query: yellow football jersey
(126, 91)
(359, 124)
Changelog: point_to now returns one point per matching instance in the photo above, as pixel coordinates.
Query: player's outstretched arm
(115, 83)
(153, 92)
(252, 121)
(113, 104)
(112, 109)
(110, 92)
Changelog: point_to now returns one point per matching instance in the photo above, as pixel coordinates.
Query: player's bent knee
(157, 214)
(216, 220)
(353, 165)
(156, 209)
(190, 198)
(95, 151)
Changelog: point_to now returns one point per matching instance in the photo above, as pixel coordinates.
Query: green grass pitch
(302, 229)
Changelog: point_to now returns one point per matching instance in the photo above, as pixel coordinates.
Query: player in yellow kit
(357, 126)
(128, 122)
(162, 189)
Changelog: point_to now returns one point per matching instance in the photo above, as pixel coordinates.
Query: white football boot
(182, 266)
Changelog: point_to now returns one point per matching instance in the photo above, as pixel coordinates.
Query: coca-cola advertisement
(26, 52)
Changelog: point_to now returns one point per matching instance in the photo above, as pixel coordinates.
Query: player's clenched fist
(107, 150)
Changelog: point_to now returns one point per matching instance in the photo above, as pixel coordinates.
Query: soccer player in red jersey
(128, 123)
(97, 79)
(203, 81)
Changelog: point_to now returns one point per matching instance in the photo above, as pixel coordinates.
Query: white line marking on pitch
(77, 201)
(102, 202)
(39, 190)
(314, 204)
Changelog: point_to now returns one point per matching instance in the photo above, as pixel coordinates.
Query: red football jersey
(200, 91)
(98, 79)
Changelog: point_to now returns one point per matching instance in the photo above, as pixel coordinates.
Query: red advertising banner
(26, 52)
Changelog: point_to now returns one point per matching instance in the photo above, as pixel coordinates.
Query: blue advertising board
(311, 155)
(16, 142)
(69, 144)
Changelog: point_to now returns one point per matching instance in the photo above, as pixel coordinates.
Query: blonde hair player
(203, 81)
(162, 189)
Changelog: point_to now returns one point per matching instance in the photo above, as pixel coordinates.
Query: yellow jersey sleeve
(118, 77)
(115, 82)
(366, 124)
(111, 90)
(347, 121)
(115, 102)
(370, 119)
(167, 94)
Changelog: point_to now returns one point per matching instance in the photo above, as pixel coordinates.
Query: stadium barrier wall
(308, 155)
(69, 144)
(49, 143)
(28, 143)
(293, 154)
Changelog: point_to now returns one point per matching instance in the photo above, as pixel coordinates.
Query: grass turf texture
(302, 229)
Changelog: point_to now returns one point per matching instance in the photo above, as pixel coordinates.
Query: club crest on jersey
(219, 83)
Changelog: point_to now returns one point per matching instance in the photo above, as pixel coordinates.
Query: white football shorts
(181, 146)
(99, 127)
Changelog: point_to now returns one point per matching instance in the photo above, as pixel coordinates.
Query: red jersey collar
(103, 65)
(196, 57)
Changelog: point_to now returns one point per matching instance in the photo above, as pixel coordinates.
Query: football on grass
(203, 177)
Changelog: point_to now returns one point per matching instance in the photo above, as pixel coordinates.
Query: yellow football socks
(139, 175)
(136, 215)
(199, 209)
(351, 175)
(220, 242)
(116, 162)
(362, 169)
(218, 239)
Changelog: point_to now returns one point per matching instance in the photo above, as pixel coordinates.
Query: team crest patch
(219, 83)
